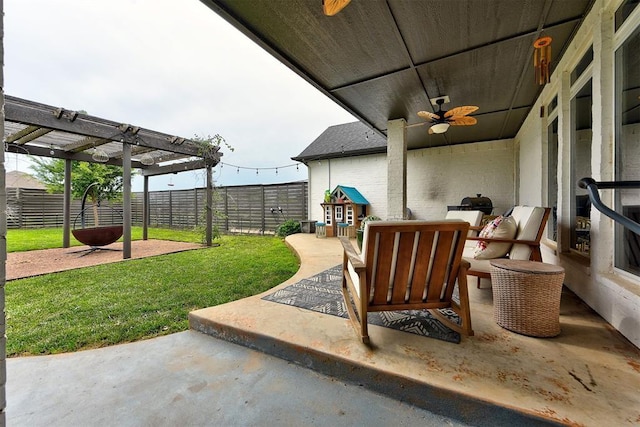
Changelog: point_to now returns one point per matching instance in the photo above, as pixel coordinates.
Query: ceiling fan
(441, 120)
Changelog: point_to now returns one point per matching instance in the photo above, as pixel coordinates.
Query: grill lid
(479, 203)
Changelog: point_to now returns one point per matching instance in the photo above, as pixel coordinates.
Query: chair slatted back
(413, 262)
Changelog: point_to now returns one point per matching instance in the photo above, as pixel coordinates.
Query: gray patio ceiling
(384, 59)
(47, 131)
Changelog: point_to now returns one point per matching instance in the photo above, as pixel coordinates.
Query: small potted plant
(360, 231)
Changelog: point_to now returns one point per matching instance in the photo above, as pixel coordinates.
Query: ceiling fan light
(440, 127)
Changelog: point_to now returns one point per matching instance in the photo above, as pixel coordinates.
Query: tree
(83, 174)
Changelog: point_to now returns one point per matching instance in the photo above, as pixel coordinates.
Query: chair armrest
(351, 254)
(497, 240)
(465, 264)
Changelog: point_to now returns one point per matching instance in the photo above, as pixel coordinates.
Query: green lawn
(49, 238)
(137, 299)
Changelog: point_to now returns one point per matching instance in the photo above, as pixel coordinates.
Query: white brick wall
(436, 178)
(366, 173)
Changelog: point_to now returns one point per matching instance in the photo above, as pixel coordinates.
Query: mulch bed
(34, 263)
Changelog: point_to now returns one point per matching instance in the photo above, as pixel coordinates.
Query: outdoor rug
(323, 293)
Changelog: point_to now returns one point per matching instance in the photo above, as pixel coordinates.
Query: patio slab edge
(445, 402)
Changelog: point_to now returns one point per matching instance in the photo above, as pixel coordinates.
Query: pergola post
(66, 209)
(145, 209)
(209, 205)
(126, 200)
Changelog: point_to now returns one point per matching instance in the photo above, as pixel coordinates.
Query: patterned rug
(323, 293)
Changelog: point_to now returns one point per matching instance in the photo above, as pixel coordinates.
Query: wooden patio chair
(407, 265)
(530, 222)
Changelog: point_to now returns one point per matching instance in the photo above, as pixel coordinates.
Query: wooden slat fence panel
(241, 209)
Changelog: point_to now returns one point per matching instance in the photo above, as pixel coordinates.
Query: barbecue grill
(477, 203)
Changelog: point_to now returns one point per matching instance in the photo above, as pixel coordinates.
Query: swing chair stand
(92, 249)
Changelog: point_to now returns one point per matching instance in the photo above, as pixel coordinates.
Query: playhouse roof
(349, 139)
(352, 194)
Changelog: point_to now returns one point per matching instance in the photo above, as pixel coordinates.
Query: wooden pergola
(46, 131)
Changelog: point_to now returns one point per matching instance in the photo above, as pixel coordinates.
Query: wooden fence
(239, 209)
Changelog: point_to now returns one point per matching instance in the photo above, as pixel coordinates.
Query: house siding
(436, 178)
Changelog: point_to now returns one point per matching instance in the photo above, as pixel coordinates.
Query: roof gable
(349, 139)
(18, 179)
(350, 193)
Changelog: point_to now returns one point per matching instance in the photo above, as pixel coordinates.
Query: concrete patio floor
(589, 375)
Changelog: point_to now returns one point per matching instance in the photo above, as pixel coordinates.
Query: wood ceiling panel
(437, 29)
(396, 96)
(357, 44)
(484, 77)
(384, 59)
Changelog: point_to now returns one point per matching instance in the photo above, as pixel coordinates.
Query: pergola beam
(34, 114)
(85, 143)
(175, 168)
(18, 136)
(61, 154)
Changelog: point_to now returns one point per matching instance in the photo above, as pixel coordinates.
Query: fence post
(264, 207)
(226, 208)
(195, 199)
(170, 208)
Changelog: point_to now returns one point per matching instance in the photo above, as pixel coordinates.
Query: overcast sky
(172, 66)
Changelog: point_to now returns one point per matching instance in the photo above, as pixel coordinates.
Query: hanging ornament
(99, 155)
(147, 159)
(542, 59)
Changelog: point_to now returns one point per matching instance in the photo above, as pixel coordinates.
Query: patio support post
(145, 209)
(126, 200)
(66, 208)
(396, 169)
(209, 205)
(603, 128)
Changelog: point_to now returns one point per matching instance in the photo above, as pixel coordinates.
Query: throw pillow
(500, 227)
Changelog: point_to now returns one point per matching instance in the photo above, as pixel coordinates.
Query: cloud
(174, 67)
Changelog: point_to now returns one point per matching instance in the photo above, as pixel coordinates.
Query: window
(624, 11)
(349, 214)
(552, 190)
(328, 215)
(581, 167)
(552, 105)
(627, 251)
(584, 63)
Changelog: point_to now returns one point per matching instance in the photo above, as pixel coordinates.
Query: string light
(276, 168)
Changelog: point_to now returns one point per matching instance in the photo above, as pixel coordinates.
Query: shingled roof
(346, 140)
(18, 179)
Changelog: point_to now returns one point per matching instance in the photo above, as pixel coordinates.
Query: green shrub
(288, 227)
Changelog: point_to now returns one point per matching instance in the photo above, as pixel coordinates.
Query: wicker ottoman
(526, 296)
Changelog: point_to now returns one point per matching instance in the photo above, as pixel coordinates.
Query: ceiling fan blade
(331, 7)
(461, 111)
(463, 121)
(428, 116)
